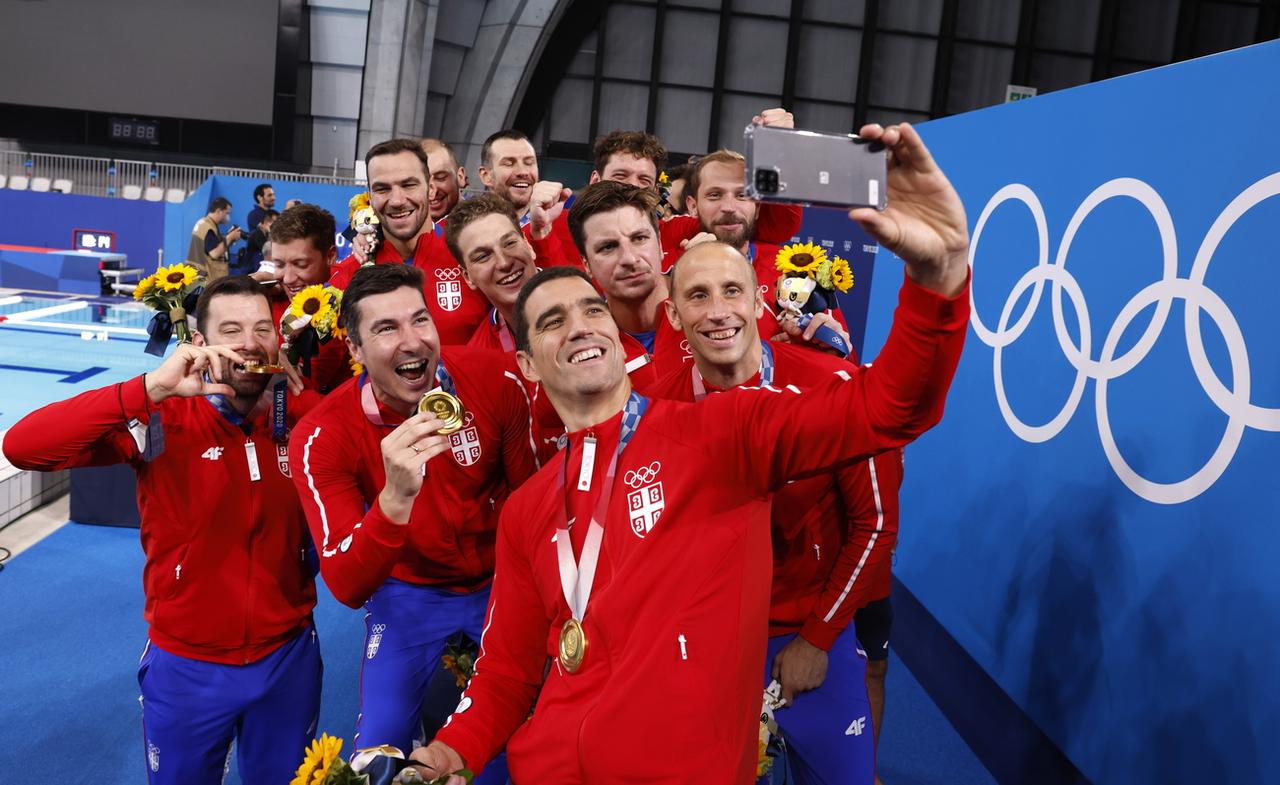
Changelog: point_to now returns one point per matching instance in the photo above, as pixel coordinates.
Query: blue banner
(1095, 520)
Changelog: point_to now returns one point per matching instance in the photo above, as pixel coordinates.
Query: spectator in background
(208, 249)
(677, 176)
(264, 197)
(447, 178)
(256, 245)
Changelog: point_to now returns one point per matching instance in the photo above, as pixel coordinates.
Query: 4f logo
(856, 727)
(465, 444)
(212, 454)
(645, 503)
(449, 289)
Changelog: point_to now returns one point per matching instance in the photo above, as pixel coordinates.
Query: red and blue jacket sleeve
(90, 429)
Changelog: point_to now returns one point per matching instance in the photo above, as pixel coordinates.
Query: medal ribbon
(576, 578)
(766, 372)
(369, 402)
(504, 331)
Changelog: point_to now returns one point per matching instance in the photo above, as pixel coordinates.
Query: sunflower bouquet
(171, 291)
(809, 278)
(310, 320)
(322, 764)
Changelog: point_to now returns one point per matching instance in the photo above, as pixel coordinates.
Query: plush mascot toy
(365, 223)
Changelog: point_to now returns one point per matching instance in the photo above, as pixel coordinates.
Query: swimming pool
(54, 346)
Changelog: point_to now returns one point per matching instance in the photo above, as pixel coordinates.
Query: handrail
(95, 176)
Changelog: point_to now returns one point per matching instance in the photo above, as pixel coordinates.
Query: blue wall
(1123, 596)
(239, 190)
(46, 220)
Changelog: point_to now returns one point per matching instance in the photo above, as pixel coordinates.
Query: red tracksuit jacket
(677, 619)
(337, 467)
(226, 578)
(456, 308)
(833, 533)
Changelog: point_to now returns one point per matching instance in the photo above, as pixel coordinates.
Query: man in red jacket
(302, 247)
(638, 563)
(484, 235)
(832, 532)
(399, 177)
(231, 651)
(408, 537)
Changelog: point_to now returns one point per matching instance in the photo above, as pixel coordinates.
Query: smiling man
(404, 516)
(399, 192)
(654, 613)
(303, 253)
(833, 533)
(231, 653)
(484, 236)
(509, 168)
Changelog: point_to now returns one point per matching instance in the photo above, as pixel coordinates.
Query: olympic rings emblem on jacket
(1234, 403)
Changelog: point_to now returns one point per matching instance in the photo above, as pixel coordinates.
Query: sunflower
(800, 258)
(144, 287)
(663, 179)
(357, 203)
(356, 368)
(841, 275)
(313, 301)
(175, 277)
(318, 760)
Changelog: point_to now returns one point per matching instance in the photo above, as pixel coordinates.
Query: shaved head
(705, 251)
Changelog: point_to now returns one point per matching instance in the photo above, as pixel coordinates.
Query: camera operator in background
(208, 250)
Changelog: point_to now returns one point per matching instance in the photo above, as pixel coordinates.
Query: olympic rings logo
(449, 273)
(643, 475)
(1234, 403)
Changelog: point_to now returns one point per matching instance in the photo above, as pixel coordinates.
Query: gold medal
(573, 645)
(445, 407)
(253, 366)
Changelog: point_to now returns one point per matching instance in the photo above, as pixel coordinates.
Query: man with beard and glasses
(642, 633)
(833, 533)
(404, 516)
(637, 158)
(399, 190)
(231, 652)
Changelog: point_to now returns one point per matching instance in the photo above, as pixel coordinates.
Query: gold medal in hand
(446, 408)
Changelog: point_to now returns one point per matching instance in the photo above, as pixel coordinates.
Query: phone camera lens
(766, 181)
